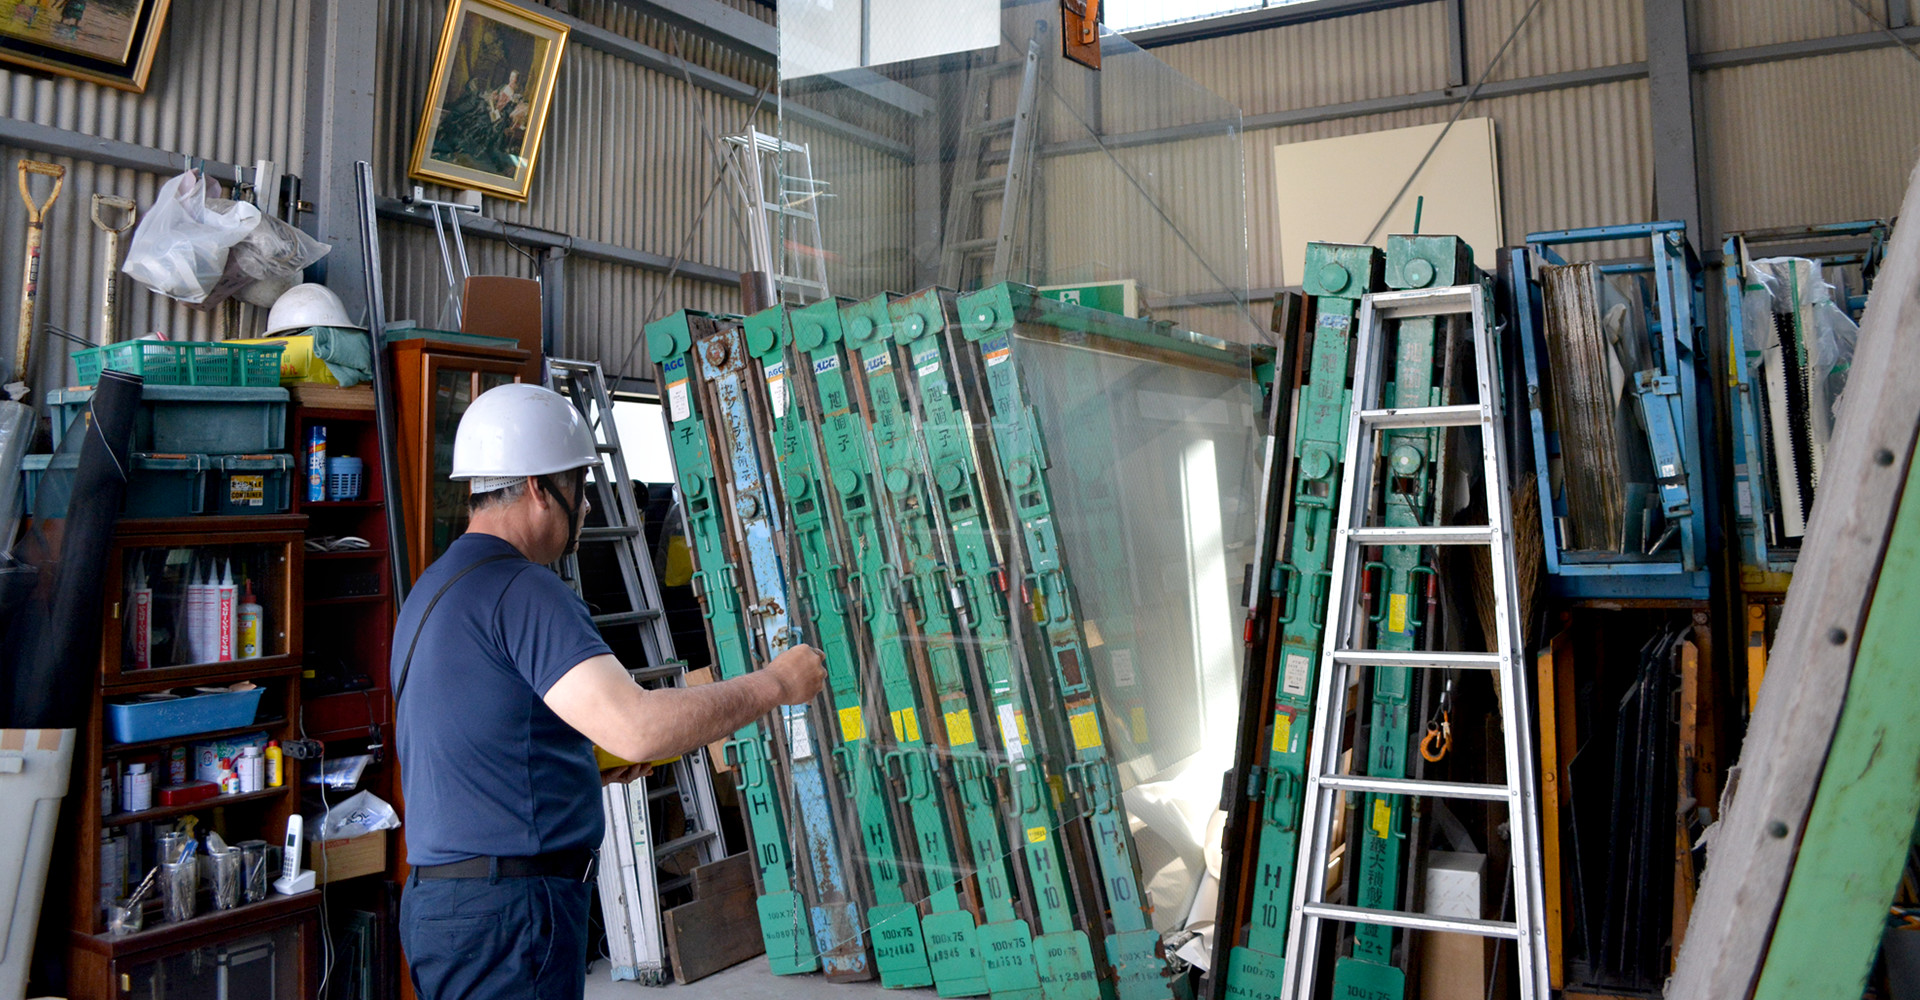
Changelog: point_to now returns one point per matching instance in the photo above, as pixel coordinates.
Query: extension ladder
(969, 257)
(1345, 651)
(631, 883)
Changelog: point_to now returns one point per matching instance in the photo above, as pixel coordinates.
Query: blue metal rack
(1677, 414)
(1765, 567)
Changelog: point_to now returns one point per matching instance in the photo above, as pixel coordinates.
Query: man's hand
(799, 674)
(623, 775)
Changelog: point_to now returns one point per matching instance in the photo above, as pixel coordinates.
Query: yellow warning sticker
(1139, 720)
(906, 727)
(1382, 818)
(1397, 613)
(852, 726)
(1020, 722)
(1036, 835)
(1086, 730)
(1282, 731)
(960, 728)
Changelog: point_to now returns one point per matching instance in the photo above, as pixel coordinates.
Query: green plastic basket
(163, 362)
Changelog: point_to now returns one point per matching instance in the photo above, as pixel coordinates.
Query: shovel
(110, 294)
(36, 228)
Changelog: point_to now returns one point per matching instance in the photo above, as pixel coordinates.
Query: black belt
(574, 864)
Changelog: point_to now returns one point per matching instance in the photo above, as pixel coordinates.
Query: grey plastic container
(194, 419)
(251, 484)
(157, 485)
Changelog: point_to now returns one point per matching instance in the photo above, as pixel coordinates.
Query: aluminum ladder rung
(1469, 415)
(609, 534)
(678, 844)
(677, 882)
(1474, 534)
(972, 246)
(1418, 660)
(1414, 921)
(641, 674)
(1451, 300)
(993, 125)
(614, 619)
(1413, 786)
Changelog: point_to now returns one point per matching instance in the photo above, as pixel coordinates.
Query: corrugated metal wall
(1782, 143)
(228, 84)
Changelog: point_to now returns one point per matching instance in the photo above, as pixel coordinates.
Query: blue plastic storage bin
(203, 420)
(201, 713)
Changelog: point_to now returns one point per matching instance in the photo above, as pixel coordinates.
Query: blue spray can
(316, 463)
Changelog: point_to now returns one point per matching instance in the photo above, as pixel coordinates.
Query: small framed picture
(487, 104)
(110, 42)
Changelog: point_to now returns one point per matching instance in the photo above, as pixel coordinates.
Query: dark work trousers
(488, 938)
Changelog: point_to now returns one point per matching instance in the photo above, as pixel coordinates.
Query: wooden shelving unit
(280, 931)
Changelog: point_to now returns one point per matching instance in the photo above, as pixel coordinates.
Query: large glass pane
(452, 394)
(202, 604)
(951, 143)
(266, 966)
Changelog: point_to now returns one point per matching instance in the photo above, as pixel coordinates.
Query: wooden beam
(1862, 821)
(1555, 664)
(1766, 805)
(712, 934)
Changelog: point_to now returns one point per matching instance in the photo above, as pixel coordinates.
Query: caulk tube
(226, 600)
(141, 605)
(196, 614)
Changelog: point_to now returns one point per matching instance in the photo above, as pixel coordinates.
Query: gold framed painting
(109, 42)
(487, 103)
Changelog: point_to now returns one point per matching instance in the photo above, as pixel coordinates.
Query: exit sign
(1119, 297)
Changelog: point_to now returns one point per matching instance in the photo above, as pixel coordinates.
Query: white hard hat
(304, 306)
(519, 430)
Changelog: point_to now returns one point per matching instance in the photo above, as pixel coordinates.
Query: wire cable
(1457, 112)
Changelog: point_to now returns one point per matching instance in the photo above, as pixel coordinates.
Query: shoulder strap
(400, 683)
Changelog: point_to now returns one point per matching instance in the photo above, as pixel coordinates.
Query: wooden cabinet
(149, 649)
(434, 383)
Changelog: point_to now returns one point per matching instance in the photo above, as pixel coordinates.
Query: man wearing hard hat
(502, 687)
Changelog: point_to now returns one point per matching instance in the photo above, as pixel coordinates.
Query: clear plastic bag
(181, 245)
(267, 262)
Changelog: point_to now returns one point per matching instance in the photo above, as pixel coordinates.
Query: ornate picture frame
(488, 99)
(109, 42)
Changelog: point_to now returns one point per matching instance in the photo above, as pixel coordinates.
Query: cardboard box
(333, 860)
(1454, 966)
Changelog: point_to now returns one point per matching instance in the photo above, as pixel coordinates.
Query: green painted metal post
(1336, 276)
(783, 925)
(898, 947)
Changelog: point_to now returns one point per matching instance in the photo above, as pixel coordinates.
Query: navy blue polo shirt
(487, 768)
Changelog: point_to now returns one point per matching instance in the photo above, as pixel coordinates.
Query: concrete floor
(749, 980)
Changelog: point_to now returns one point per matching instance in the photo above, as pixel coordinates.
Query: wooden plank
(708, 935)
(1766, 804)
(1688, 795)
(725, 875)
(1556, 735)
(1861, 825)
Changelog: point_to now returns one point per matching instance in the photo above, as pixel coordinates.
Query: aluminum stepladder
(969, 258)
(1343, 652)
(631, 886)
(782, 217)
(785, 923)
(720, 356)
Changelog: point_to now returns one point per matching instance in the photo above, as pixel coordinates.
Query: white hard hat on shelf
(518, 430)
(304, 306)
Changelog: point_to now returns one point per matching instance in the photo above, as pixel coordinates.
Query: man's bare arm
(597, 698)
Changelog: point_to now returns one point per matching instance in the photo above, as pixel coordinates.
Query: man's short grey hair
(497, 498)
